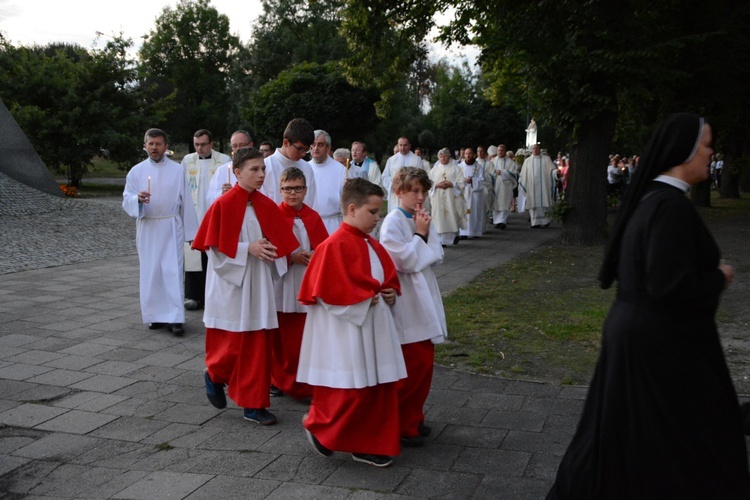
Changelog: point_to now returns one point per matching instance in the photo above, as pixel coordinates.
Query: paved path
(94, 405)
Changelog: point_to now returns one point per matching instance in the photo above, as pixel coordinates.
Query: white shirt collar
(674, 182)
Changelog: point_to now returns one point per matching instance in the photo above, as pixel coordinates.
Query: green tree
(74, 104)
(188, 57)
(318, 93)
(575, 63)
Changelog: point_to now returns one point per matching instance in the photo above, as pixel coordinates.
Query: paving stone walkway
(94, 405)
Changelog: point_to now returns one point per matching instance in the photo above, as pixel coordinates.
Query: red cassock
(361, 420)
(288, 339)
(414, 389)
(242, 360)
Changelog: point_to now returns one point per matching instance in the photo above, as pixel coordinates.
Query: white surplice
(506, 180)
(476, 213)
(351, 347)
(239, 291)
(275, 166)
(392, 166)
(418, 311)
(448, 205)
(287, 287)
(330, 177)
(162, 227)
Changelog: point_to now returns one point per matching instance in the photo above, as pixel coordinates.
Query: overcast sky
(28, 22)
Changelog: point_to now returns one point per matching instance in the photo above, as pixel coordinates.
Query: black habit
(661, 419)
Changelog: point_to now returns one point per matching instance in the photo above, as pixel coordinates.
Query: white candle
(149, 184)
(229, 172)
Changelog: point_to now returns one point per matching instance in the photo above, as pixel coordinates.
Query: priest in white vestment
(446, 194)
(404, 158)
(476, 183)
(200, 167)
(330, 177)
(370, 166)
(157, 195)
(485, 163)
(537, 181)
(506, 180)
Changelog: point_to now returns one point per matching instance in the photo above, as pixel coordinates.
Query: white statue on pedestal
(531, 134)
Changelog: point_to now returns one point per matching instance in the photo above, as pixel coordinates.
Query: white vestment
(506, 180)
(354, 172)
(287, 287)
(162, 227)
(200, 172)
(223, 175)
(448, 205)
(372, 170)
(476, 214)
(537, 180)
(489, 174)
(330, 177)
(275, 166)
(239, 290)
(418, 311)
(392, 166)
(351, 347)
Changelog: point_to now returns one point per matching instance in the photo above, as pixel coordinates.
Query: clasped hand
(262, 249)
(388, 294)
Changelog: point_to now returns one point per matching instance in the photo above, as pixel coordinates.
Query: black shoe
(463, 237)
(176, 329)
(535, 227)
(275, 392)
(259, 416)
(156, 326)
(497, 226)
(214, 392)
(503, 226)
(374, 460)
(413, 441)
(193, 305)
(319, 448)
(424, 430)
(456, 240)
(546, 225)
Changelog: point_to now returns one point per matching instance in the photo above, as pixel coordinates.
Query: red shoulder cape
(314, 226)
(223, 221)
(339, 272)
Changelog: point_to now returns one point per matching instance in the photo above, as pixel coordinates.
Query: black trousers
(195, 282)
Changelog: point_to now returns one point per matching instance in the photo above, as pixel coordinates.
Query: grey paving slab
(440, 484)
(29, 415)
(34, 357)
(76, 422)
(61, 377)
(165, 485)
(88, 348)
(296, 491)
(129, 428)
(42, 394)
(9, 463)
(351, 475)
(22, 371)
(73, 362)
(234, 487)
(57, 446)
(103, 383)
(492, 462)
(517, 420)
(114, 368)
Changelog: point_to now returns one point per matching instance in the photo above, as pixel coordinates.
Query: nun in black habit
(661, 419)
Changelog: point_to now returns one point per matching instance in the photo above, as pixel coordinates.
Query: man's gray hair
(326, 134)
(445, 152)
(341, 153)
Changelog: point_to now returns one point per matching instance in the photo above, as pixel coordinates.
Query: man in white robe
(506, 180)
(404, 158)
(200, 167)
(330, 177)
(537, 181)
(476, 182)
(298, 136)
(224, 178)
(157, 195)
(489, 173)
(448, 204)
(370, 166)
(344, 156)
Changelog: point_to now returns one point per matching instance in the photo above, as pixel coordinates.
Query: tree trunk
(700, 194)
(586, 222)
(730, 179)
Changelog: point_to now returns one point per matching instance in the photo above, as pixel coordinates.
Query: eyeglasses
(300, 149)
(296, 189)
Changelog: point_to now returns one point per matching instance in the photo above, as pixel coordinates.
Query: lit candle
(229, 174)
(149, 185)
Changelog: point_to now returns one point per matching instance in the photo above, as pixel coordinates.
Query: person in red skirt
(351, 353)
(247, 241)
(310, 231)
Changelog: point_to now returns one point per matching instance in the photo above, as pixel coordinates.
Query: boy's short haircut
(244, 154)
(357, 191)
(155, 132)
(293, 174)
(299, 130)
(406, 177)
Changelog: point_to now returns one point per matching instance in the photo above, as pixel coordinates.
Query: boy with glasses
(298, 136)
